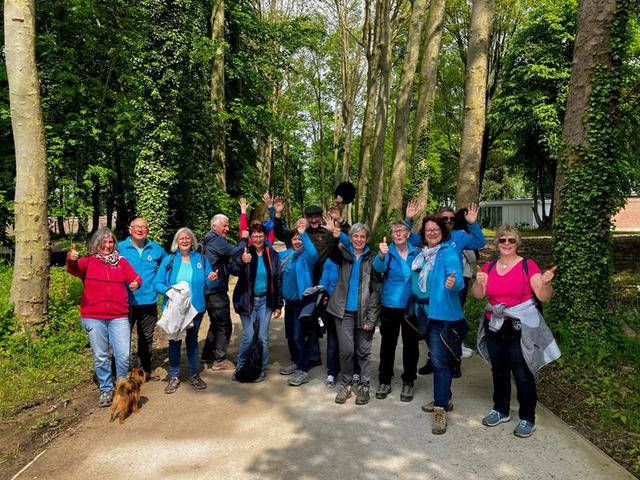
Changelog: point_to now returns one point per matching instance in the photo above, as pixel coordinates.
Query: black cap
(312, 210)
(347, 191)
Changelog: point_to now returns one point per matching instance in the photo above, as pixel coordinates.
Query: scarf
(427, 256)
(112, 259)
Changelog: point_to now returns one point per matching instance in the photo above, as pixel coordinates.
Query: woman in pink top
(507, 281)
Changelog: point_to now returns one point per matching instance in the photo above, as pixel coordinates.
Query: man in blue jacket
(145, 257)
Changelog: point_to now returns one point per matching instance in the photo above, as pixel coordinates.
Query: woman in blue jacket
(186, 265)
(435, 282)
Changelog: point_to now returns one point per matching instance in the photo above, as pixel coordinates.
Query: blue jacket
(200, 270)
(330, 273)
(396, 289)
(444, 303)
(219, 251)
(145, 265)
(460, 240)
(297, 269)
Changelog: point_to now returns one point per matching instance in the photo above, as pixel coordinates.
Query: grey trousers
(353, 341)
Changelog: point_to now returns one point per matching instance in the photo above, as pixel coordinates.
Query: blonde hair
(508, 230)
(194, 240)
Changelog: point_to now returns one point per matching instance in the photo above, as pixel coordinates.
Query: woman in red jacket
(104, 305)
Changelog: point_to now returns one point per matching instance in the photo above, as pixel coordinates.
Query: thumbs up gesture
(548, 275)
(481, 277)
(73, 254)
(246, 257)
(451, 281)
(213, 276)
(384, 248)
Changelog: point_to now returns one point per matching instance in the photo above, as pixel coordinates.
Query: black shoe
(197, 382)
(427, 369)
(362, 396)
(384, 389)
(406, 395)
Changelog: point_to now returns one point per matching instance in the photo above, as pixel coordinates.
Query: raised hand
(243, 205)
(384, 248)
(73, 254)
(244, 234)
(246, 257)
(213, 276)
(472, 214)
(278, 204)
(412, 208)
(301, 225)
(548, 275)
(134, 285)
(481, 277)
(451, 281)
(267, 200)
(339, 200)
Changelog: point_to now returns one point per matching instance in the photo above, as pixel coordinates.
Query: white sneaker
(466, 351)
(355, 379)
(331, 381)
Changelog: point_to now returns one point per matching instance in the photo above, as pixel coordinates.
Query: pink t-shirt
(513, 287)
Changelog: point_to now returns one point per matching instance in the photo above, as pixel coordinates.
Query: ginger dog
(127, 395)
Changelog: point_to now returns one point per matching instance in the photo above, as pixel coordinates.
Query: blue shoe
(494, 418)
(524, 429)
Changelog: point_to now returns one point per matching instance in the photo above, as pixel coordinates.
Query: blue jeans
(333, 352)
(441, 363)
(103, 333)
(193, 354)
(262, 314)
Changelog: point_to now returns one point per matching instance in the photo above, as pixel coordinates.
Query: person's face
(432, 234)
(107, 246)
(296, 243)
(139, 230)
(184, 242)
(257, 239)
(399, 235)
(314, 220)
(507, 244)
(447, 217)
(222, 227)
(359, 240)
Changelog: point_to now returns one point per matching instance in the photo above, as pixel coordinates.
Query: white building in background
(518, 212)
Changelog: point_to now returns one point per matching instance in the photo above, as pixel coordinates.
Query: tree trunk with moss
(218, 149)
(30, 283)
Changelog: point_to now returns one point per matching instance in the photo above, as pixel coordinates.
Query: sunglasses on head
(507, 240)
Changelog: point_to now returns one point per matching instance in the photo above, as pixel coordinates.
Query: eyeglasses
(507, 240)
(433, 231)
(447, 219)
(139, 227)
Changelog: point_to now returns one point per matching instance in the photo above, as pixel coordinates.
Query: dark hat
(312, 210)
(347, 191)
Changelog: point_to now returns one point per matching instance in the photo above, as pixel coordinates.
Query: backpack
(252, 368)
(525, 267)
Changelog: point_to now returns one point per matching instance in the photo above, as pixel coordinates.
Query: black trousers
(144, 317)
(392, 322)
(220, 328)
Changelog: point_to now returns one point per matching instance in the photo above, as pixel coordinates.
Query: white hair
(216, 218)
(194, 240)
(359, 227)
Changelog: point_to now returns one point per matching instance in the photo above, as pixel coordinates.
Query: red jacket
(105, 294)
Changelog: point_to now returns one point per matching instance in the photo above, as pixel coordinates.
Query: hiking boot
(172, 385)
(494, 418)
(524, 429)
(355, 379)
(289, 368)
(343, 394)
(383, 390)
(197, 382)
(298, 378)
(331, 381)
(222, 364)
(105, 398)
(406, 395)
(439, 422)
(261, 377)
(362, 396)
(429, 407)
(427, 369)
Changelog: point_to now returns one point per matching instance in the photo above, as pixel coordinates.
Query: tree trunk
(95, 203)
(286, 180)
(318, 91)
(424, 108)
(468, 189)
(382, 111)
(335, 145)
(403, 102)
(30, 283)
(218, 149)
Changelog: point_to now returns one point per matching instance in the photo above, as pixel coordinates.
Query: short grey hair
(399, 223)
(194, 240)
(359, 227)
(216, 218)
(509, 231)
(98, 239)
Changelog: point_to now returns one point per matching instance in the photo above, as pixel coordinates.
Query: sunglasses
(507, 240)
(447, 219)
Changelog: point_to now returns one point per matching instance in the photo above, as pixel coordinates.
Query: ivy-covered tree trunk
(218, 154)
(30, 284)
(403, 102)
(475, 87)
(593, 177)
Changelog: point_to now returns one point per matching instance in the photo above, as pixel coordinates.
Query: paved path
(272, 431)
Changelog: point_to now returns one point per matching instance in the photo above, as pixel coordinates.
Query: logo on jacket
(199, 265)
(150, 258)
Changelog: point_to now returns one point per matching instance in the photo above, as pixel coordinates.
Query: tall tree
(30, 283)
(403, 102)
(218, 154)
(468, 188)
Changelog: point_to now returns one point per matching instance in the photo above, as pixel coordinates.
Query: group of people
(329, 281)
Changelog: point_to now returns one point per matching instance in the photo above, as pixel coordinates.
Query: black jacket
(219, 251)
(243, 291)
